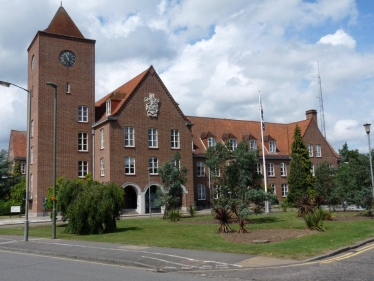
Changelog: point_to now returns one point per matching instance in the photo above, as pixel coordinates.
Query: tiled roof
(119, 96)
(281, 133)
(62, 24)
(17, 143)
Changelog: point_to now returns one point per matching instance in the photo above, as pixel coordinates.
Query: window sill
(129, 146)
(201, 176)
(130, 174)
(84, 122)
(152, 147)
(201, 199)
(175, 148)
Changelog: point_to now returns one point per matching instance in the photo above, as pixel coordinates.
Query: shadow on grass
(261, 220)
(124, 229)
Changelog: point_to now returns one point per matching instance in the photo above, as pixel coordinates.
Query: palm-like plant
(224, 216)
(304, 205)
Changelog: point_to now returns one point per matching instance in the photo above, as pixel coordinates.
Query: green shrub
(315, 220)
(327, 215)
(192, 211)
(285, 205)
(174, 215)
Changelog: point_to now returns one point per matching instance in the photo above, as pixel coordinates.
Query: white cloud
(339, 38)
(214, 58)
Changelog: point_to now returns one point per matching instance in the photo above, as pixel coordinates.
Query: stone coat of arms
(151, 105)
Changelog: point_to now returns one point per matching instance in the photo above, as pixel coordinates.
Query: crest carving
(151, 105)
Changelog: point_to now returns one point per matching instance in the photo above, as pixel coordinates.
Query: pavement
(160, 259)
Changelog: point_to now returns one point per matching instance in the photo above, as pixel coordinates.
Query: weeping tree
(238, 180)
(89, 206)
(172, 177)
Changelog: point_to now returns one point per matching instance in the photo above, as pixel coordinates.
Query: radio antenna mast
(322, 113)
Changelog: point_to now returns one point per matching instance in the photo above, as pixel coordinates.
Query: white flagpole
(263, 152)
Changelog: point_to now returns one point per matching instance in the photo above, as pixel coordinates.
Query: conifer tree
(300, 180)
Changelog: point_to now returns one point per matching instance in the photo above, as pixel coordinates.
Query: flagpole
(263, 150)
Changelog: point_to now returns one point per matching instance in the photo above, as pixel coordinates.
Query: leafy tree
(300, 179)
(238, 181)
(172, 177)
(324, 184)
(17, 195)
(90, 207)
(353, 178)
(5, 175)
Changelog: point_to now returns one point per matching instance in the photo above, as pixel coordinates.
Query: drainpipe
(93, 153)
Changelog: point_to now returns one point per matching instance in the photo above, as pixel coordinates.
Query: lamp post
(7, 84)
(367, 129)
(50, 84)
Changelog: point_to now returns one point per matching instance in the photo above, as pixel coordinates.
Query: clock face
(67, 58)
(33, 63)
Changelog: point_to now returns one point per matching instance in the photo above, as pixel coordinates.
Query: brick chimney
(311, 114)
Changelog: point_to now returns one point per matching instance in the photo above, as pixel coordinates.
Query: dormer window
(211, 141)
(272, 147)
(252, 144)
(108, 107)
(233, 144)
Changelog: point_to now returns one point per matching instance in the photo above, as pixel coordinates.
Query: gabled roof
(281, 133)
(62, 24)
(17, 143)
(123, 93)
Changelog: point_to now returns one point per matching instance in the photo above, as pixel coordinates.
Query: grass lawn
(198, 233)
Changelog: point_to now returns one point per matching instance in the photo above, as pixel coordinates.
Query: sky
(215, 56)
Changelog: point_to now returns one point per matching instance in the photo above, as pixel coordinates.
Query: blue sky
(214, 58)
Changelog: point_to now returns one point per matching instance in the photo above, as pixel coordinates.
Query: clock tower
(61, 55)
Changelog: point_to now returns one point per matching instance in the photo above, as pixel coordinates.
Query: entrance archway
(130, 197)
(154, 208)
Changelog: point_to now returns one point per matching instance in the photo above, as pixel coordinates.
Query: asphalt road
(354, 265)
(22, 266)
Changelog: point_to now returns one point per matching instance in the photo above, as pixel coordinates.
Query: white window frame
(152, 138)
(258, 168)
(233, 144)
(68, 87)
(310, 149)
(271, 172)
(83, 114)
(318, 150)
(108, 106)
(175, 163)
(312, 170)
(272, 185)
(200, 166)
(23, 167)
(102, 167)
(32, 155)
(174, 139)
(82, 169)
(283, 169)
(153, 165)
(129, 165)
(32, 129)
(252, 144)
(272, 147)
(201, 194)
(129, 136)
(82, 142)
(102, 138)
(211, 141)
(31, 187)
(284, 189)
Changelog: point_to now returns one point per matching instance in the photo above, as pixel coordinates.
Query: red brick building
(136, 126)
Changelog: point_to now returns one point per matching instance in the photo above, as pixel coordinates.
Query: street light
(7, 84)
(367, 129)
(50, 84)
